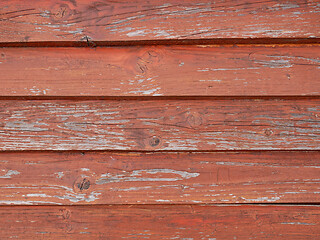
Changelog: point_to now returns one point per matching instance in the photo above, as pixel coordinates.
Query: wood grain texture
(161, 71)
(160, 222)
(80, 20)
(45, 178)
(216, 124)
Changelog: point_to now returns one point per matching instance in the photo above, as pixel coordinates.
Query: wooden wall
(160, 119)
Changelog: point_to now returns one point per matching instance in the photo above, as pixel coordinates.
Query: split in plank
(83, 20)
(161, 71)
(44, 178)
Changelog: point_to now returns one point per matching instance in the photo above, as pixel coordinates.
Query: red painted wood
(220, 124)
(36, 178)
(79, 20)
(160, 222)
(261, 108)
(161, 71)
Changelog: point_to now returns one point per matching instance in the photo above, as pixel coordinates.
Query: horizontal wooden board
(216, 124)
(82, 20)
(161, 71)
(68, 178)
(160, 222)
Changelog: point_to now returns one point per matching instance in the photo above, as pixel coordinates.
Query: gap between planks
(154, 98)
(312, 204)
(213, 42)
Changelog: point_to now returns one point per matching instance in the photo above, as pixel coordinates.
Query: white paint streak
(72, 197)
(38, 195)
(136, 176)
(137, 33)
(10, 173)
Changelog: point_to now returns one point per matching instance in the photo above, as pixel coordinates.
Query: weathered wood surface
(214, 124)
(80, 20)
(161, 71)
(44, 178)
(160, 222)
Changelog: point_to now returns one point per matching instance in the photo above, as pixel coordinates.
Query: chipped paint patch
(144, 176)
(59, 174)
(72, 197)
(9, 173)
(137, 33)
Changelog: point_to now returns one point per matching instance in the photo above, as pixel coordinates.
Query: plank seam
(158, 98)
(223, 41)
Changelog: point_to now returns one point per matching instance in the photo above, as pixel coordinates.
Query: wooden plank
(69, 178)
(216, 124)
(80, 20)
(160, 222)
(161, 71)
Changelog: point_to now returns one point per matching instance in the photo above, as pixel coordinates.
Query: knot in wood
(82, 184)
(60, 12)
(66, 213)
(194, 119)
(268, 132)
(154, 142)
(69, 227)
(147, 59)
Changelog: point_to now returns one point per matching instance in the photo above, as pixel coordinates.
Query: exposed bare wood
(241, 124)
